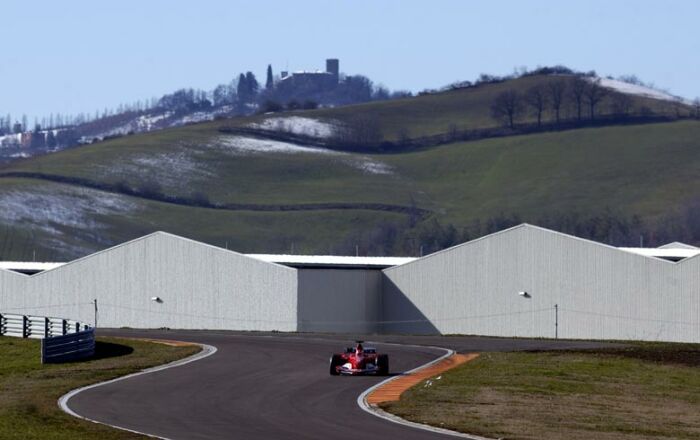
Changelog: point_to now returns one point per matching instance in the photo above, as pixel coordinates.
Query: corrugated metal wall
(198, 286)
(602, 292)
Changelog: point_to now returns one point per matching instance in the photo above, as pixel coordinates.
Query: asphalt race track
(267, 386)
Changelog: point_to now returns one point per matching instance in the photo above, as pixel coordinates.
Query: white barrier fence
(61, 339)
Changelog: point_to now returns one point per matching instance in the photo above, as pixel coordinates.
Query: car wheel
(383, 364)
(336, 361)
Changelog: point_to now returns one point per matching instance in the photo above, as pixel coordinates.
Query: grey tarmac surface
(270, 386)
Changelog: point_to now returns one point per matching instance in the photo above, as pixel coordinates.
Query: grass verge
(29, 391)
(645, 391)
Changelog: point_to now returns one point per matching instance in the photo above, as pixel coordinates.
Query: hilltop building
(311, 82)
(26, 139)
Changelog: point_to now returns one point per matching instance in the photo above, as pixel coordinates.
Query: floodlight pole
(556, 321)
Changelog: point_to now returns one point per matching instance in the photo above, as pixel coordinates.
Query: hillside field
(261, 194)
(646, 170)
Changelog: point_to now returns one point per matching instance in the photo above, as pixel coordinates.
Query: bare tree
(507, 107)
(578, 89)
(621, 104)
(594, 93)
(677, 107)
(361, 131)
(557, 90)
(452, 131)
(403, 135)
(537, 98)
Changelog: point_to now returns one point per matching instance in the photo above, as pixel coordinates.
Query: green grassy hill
(171, 180)
(469, 108)
(645, 170)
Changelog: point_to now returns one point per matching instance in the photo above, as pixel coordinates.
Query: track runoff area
(272, 386)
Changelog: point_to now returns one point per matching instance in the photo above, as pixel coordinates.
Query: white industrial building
(525, 281)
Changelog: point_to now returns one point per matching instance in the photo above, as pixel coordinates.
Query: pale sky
(79, 56)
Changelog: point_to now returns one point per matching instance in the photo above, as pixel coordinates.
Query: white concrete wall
(339, 300)
(602, 292)
(201, 287)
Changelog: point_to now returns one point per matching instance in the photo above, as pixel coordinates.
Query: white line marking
(378, 412)
(207, 350)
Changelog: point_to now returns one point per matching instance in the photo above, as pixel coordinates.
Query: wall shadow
(338, 300)
(399, 315)
(106, 350)
(356, 301)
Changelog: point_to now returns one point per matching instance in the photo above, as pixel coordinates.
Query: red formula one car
(359, 360)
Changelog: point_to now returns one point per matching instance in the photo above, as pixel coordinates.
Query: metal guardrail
(61, 339)
(69, 347)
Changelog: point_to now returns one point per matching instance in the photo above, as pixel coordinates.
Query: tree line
(582, 97)
(614, 228)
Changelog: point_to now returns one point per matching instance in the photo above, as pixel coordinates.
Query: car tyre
(383, 364)
(336, 361)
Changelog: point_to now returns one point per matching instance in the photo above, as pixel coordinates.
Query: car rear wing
(368, 350)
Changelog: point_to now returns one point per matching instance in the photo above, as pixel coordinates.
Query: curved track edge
(378, 412)
(207, 350)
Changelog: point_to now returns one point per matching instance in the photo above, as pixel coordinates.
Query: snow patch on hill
(10, 140)
(157, 121)
(149, 122)
(53, 210)
(194, 117)
(171, 169)
(298, 125)
(140, 124)
(240, 145)
(635, 89)
(373, 167)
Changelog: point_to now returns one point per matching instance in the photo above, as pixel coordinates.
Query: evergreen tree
(269, 84)
(252, 85)
(38, 138)
(242, 89)
(50, 140)
(6, 125)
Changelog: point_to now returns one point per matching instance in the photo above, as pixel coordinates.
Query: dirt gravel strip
(166, 342)
(391, 390)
